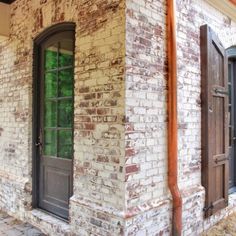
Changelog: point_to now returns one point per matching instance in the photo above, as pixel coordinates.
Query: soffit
(228, 7)
(7, 1)
(4, 21)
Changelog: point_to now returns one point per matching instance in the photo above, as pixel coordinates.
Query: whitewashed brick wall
(120, 171)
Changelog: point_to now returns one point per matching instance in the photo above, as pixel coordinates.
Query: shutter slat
(214, 96)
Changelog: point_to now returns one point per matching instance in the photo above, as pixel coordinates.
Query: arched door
(54, 123)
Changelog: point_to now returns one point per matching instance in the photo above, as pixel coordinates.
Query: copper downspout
(172, 120)
(233, 1)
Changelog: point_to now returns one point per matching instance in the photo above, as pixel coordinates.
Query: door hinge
(220, 160)
(207, 208)
(221, 92)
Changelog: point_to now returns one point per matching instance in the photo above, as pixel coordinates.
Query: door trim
(231, 52)
(55, 29)
(231, 55)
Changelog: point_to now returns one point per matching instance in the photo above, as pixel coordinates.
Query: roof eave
(227, 7)
(4, 21)
(7, 1)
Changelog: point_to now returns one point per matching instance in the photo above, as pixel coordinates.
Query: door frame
(55, 29)
(231, 54)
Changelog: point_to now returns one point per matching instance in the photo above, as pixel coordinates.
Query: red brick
(132, 169)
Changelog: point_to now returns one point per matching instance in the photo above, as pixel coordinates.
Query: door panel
(56, 186)
(231, 128)
(214, 135)
(232, 116)
(56, 124)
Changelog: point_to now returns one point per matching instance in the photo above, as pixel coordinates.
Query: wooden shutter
(214, 121)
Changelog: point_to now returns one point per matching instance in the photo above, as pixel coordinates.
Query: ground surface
(226, 227)
(12, 227)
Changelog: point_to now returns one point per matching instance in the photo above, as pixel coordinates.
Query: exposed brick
(131, 169)
(120, 122)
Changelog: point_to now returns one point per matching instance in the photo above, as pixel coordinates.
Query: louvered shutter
(214, 96)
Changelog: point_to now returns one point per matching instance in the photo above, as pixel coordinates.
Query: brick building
(84, 144)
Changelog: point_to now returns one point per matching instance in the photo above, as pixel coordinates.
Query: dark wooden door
(232, 124)
(214, 86)
(55, 133)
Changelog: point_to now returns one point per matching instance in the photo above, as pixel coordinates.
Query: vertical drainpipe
(172, 120)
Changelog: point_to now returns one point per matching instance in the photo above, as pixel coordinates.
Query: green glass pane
(65, 83)
(66, 53)
(229, 71)
(65, 144)
(65, 108)
(51, 57)
(50, 114)
(229, 90)
(50, 85)
(50, 148)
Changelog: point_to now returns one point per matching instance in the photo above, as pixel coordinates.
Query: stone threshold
(48, 223)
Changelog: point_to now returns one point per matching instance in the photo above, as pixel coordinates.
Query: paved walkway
(12, 227)
(226, 227)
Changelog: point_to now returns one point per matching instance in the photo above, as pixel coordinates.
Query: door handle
(38, 140)
(38, 144)
(234, 138)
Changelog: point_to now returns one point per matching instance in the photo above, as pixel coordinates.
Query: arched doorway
(53, 119)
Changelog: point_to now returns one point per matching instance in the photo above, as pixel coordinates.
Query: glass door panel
(58, 99)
